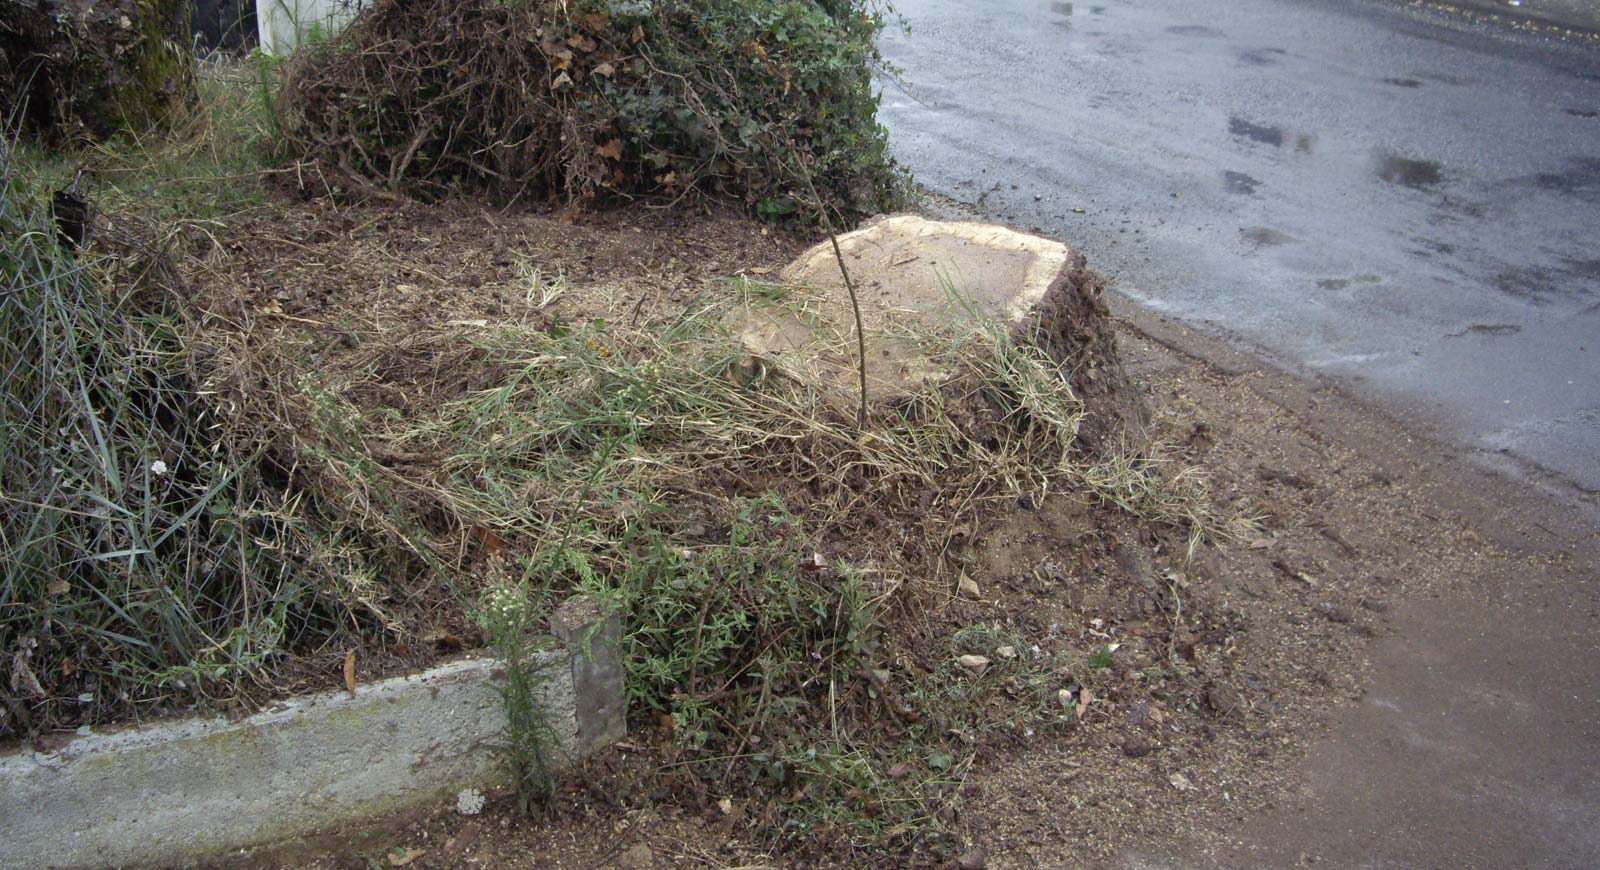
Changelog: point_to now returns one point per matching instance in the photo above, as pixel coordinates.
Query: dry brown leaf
(611, 150)
(56, 587)
(1083, 701)
(489, 541)
(974, 662)
(350, 672)
(968, 587)
(22, 678)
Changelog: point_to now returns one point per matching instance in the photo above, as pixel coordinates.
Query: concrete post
(594, 640)
(174, 793)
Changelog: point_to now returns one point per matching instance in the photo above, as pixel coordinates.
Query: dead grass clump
(144, 566)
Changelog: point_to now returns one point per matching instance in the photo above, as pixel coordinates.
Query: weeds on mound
(764, 552)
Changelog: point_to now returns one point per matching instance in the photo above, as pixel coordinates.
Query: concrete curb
(176, 792)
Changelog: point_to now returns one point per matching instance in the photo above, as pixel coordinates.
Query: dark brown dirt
(1228, 666)
(1073, 324)
(1346, 541)
(1183, 689)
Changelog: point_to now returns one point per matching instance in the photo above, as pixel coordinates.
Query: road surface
(1404, 200)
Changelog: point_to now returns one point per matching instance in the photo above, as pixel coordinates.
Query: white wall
(284, 24)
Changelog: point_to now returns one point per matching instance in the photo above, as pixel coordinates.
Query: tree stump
(87, 69)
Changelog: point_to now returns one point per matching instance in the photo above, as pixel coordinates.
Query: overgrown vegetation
(210, 164)
(513, 619)
(144, 564)
(581, 101)
(767, 556)
(73, 71)
(199, 494)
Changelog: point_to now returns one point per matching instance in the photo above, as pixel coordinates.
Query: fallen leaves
(350, 672)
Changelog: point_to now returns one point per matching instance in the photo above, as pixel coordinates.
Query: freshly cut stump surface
(913, 274)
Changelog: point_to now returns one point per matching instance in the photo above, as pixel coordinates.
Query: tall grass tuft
(143, 566)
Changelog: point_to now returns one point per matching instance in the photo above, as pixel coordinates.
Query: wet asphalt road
(1401, 200)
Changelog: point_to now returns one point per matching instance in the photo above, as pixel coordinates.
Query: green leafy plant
(511, 621)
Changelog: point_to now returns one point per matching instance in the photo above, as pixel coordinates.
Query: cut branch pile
(577, 103)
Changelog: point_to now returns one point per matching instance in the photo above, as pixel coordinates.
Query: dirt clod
(975, 858)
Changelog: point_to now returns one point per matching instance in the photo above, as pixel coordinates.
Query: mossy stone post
(594, 639)
(92, 68)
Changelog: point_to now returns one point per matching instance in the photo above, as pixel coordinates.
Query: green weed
(511, 616)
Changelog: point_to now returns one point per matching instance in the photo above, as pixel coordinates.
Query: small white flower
(158, 468)
(469, 802)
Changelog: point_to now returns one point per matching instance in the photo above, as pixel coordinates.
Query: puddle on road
(1196, 30)
(1239, 183)
(1536, 284)
(1580, 178)
(1582, 268)
(1064, 11)
(1430, 247)
(1341, 283)
(1407, 172)
(1262, 133)
(1486, 329)
(1404, 83)
(1265, 237)
(1261, 56)
(1582, 113)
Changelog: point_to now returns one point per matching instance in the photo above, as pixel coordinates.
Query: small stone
(968, 587)
(1335, 613)
(638, 857)
(1222, 699)
(973, 663)
(1006, 652)
(879, 677)
(1136, 746)
(469, 802)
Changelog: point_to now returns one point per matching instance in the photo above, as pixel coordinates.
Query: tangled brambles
(581, 101)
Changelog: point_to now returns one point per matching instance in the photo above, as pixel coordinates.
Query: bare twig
(849, 285)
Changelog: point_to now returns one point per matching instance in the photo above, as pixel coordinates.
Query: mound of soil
(1073, 325)
(1171, 676)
